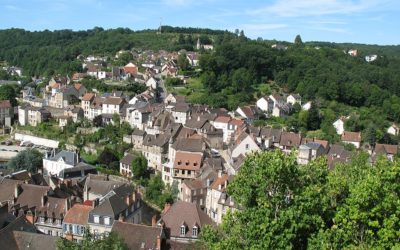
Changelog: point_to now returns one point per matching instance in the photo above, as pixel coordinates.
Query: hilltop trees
(286, 206)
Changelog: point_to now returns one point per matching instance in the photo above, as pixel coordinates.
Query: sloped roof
(184, 212)
(290, 139)
(351, 136)
(31, 195)
(7, 187)
(34, 241)
(138, 236)
(68, 157)
(189, 144)
(386, 149)
(7, 233)
(88, 97)
(78, 214)
(188, 160)
(127, 159)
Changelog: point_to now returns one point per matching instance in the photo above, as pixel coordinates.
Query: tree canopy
(29, 159)
(287, 206)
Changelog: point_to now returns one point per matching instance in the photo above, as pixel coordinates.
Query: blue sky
(361, 21)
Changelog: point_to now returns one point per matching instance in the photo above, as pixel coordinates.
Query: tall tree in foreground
(287, 206)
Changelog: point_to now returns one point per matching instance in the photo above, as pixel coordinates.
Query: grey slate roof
(68, 157)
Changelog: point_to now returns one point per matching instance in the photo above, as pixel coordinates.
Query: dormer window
(96, 219)
(194, 231)
(183, 230)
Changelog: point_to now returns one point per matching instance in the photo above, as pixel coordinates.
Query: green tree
(139, 166)
(110, 242)
(313, 118)
(29, 159)
(7, 92)
(183, 62)
(298, 41)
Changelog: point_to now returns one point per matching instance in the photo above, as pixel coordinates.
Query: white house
(293, 99)
(222, 122)
(352, 138)
(306, 106)
(152, 83)
(371, 58)
(264, 104)
(62, 160)
(244, 144)
(339, 125)
(112, 105)
(393, 129)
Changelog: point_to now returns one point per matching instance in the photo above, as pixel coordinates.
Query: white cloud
(301, 8)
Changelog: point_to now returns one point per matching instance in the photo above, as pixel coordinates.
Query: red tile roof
(78, 214)
(386, 149)
(187, 160)
(5, 104)
(223, 119)
(351, 136)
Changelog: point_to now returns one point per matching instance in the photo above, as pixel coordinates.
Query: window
(70, 228)
(183, 230)
(82, 230)
(41, 219)
(194, 231)
(65, 227)
(107, 220)
(247, 146)
(96, 219)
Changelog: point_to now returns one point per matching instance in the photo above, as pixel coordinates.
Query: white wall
(37, 140)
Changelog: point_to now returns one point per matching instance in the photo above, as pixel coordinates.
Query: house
(281, 110)
(247, 112)
(183, 221)
(33, 116)
(352, 52)
(265, 104)
(112, 105)
(309, 151)
(306, 106)
(339, 125)
(266, 138)
(125, 165)
(86, 101)
(53, 165)
(352, 138)
(172, 98)
(141, 236)
(75, 113)
(193, 58)
(371, 58)
(242, 145)
(279, 46)
(393, 129)
(122, 203)
(152, 83)
(289, 141)
(222, 122)
(50, 214)
(75, 222)
(293, 99)
(390, 151)
(337, 154)
(81, 170)
(96, 107)
(137, 138)
(218, 201)
(97, 186)
(5, 113)
(180, 112)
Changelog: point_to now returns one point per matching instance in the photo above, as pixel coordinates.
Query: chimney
(154, 221)
(167, 206)
(43, 200)
(158, 242)
(30, 217)
(17, 191)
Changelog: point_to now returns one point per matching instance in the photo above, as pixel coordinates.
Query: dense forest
(48, 52)
(240, 70)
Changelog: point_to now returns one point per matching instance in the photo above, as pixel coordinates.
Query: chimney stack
(16, 191)
(154, 221)
(167, 206)
(158, 242)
